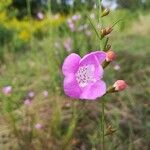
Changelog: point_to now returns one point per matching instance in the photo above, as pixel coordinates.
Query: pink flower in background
(45, 93)
(83, 76)
(38, 126)
(27, 102)
(68, 44)
(71, 25)
(120, 85)
(76, 17)
(31, 94)
(7, 90)
(40, 16)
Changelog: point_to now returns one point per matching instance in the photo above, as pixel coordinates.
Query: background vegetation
(35, 114)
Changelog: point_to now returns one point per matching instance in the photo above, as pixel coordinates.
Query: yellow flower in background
(25, 35)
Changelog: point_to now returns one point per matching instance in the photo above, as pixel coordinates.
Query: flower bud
(106, 31)
(105, 12)
(120, 85)
(110, 56)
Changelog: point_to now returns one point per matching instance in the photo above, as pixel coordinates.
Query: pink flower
(7, 90)
(110, 56)
(27, 102)
(83, 75)
(31, 94)
(76, 17)
(40, 15)
(68, 44)
(71, 25)
(120, 85)
(38, 126)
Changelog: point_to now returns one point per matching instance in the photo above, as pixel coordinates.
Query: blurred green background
(35, 38)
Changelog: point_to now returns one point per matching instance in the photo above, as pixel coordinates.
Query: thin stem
(49, 8)
(102, 116)
(103, 125)
(116, 22)
(94, 28)
(30, 18)
(99, 11)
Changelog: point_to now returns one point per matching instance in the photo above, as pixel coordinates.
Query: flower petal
(90, 58)
(101, 55)
(71, 64)
(93, 91)
(94, 58)
(71, 87)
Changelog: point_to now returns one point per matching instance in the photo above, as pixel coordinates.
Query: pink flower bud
(120, 85)
(110, 56)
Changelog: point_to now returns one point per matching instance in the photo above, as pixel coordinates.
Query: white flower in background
(117, 67)
(45, 93)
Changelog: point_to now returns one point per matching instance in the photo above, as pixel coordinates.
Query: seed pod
(106, 31)
(105, 12)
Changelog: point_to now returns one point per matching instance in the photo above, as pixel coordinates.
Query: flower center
(85, 75)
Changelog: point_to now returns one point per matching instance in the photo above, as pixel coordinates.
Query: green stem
(49, 7)
(94, 28)
(102, 116)
(103, 125)
(28, 8)
(30, 18)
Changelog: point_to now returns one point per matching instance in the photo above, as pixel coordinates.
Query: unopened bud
(105, 12)
(110, 56)
(120, 85)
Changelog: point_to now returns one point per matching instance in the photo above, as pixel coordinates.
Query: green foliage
(134, 4)
(5, 35)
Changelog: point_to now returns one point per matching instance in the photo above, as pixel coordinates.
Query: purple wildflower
(76, 17)
(31, 94)
(40, 16)
(83, 75)
(38, 126)
(7, 90)
(27, 102)
(71, 25)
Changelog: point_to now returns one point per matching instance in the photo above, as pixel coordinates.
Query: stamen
(85, 75)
